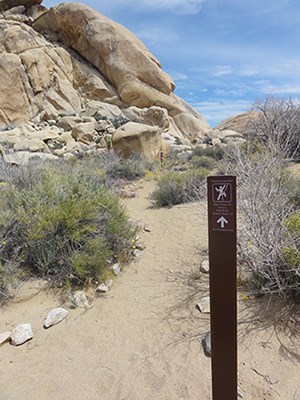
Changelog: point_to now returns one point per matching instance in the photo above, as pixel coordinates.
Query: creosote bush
(204, 162)
(60, 221)
(179, 187)
(215, 152)
(132, 168)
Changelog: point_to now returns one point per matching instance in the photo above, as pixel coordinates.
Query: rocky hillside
(72, 81)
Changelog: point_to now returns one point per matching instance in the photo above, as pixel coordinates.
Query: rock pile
(73, 87)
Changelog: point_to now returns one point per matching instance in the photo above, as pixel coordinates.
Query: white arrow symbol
(222, 221)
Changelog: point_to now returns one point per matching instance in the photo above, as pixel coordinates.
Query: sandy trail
(142, 341)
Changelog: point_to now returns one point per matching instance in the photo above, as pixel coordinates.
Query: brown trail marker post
(223, 302)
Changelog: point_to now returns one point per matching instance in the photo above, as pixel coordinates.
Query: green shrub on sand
(179, 187)
(62, 222)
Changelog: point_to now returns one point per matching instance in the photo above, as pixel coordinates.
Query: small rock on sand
(207, 344)
(80, 300)
(102, 288)
(4, 337)
(55, 316)
(204, 305)
(21, 334)
(204, 267)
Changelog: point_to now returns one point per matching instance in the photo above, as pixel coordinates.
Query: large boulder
(154, 116)
(92, 84)
(15, 108)
(24, 157)
(35, 74)
(42, 76)
(7, 4)
(239, 123)
(138, 138)
(111, 48)
(33, 145)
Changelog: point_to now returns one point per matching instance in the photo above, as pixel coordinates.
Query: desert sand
(142, 340)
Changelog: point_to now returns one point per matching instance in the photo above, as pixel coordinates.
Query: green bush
(291, 255)
(61, 221)
(215, 152)
(203, 162)
(179, 187)
(170, 190)
(293, 224)
(130, 169)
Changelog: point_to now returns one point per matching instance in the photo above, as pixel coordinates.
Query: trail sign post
(222, 267)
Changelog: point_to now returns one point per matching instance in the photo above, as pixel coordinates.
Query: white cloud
(216, 111)
(222, 70)
(178, 6)
(248, 71)
(281, 89)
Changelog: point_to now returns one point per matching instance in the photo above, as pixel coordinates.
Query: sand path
(142, 341)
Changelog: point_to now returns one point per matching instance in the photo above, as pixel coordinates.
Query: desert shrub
(170, 190)
(131, 168)
(268, 236)
(62, 222)
(203, 162)
(295, 199)
(179, 187)
(276, 124)
(215, 152)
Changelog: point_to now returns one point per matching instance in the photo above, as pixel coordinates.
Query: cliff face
(72, 61)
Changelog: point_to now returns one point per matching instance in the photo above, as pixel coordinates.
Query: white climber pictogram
(222, 192)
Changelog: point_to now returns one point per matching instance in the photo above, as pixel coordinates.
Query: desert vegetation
(276, 125)
(268, 195)
(181, 182)
(179, 187)
(64, 221)
(61, 221)
(268, 198)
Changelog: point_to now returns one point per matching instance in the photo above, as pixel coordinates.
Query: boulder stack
(81, 77)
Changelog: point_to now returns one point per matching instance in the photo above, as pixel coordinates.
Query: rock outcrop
(238, 123)
(71, 66)
(8, 4)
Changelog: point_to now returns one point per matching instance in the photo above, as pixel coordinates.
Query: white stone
(204, 305)
(204, 267)
(116, 269)
(140, 246)
(136, 253)
(102, 288)
(68, 156)
(79, 299)
(216, 142)
(21, 334)
(4, 337)
(55, 316)
(240, 392)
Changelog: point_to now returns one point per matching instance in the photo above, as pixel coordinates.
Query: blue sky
(222, 54)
